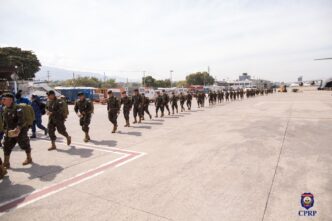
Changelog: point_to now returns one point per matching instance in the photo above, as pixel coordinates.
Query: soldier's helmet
(8, 95)
(50, 92)
(80, 93)
(158, 92)
(142, 94)
(124, 92)
(109, 92)
(163, 91)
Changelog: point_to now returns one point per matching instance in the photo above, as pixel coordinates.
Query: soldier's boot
(3, 171)
(156, 115)
(6, 162)
(45, 132)
(139, 120)
(128, 124)
(28, 160)
(169, 113)
(114, 128)
(150, 116)
(33, 136)
(68, 140)
(172, 112)
(162, 115)
(135, 121)
(87, 137)
(143, 118)
(53, 146)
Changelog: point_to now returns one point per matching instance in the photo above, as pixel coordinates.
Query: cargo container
(71, 92)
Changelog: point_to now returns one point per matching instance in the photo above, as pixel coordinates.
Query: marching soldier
(113, 108)
(210, 98)
(145, 106)
(189, 98)
(137, 103)
(166, 100)
(56, 111)
(16, 130)
(127, 104)
(174, 102)
(227, 95)
(84, 109)
(159, 103)
(182, 100)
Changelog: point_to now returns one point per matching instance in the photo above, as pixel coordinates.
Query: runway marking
(26, 199)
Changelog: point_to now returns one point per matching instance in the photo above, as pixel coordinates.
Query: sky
(268, 39)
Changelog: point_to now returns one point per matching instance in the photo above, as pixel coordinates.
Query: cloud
(275, 39)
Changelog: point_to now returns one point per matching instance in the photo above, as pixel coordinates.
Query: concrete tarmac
(242, 160)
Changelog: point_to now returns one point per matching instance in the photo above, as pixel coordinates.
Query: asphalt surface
(244, 160)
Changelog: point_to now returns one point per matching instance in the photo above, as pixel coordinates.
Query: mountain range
(55, 74)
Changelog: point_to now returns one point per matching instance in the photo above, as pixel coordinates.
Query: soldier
(227, 95)
(127, 104)
(198, 99)
(189, 98)
(55, 109)
(16, 130)
(159, 103)
(113, 108)
(202, 98)
(174, 102)
(182, 100)
(221, 96)
(166, 100)
(145, 106)
(210, 98)
(84, 109)
(137, 103)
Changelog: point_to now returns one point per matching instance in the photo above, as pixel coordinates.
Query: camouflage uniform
(127, 105)
(159, 105)
(137, 103)
(14, 118)
(182, 100)
(113, 108)
(56, 120)
(189, 98)
(85, 108)
(174, 103)
(145, 106)
(166, 100)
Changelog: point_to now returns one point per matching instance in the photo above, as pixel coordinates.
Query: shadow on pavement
(133, 133)
(152, 123)
(44, 173)
(10, 190)
(111, 143)
(142, 127)
(82, 152)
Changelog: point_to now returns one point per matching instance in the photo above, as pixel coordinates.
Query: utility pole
(170, 77)
(143, 78)
(48, 76)
(73, 79)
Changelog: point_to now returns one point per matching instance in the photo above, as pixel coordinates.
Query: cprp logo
(307, 201)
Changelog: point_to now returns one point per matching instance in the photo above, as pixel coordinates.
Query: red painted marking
(53, 188)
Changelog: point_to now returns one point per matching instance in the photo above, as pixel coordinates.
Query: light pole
(170, 78)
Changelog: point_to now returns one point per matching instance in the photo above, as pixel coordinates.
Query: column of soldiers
(14, 124)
